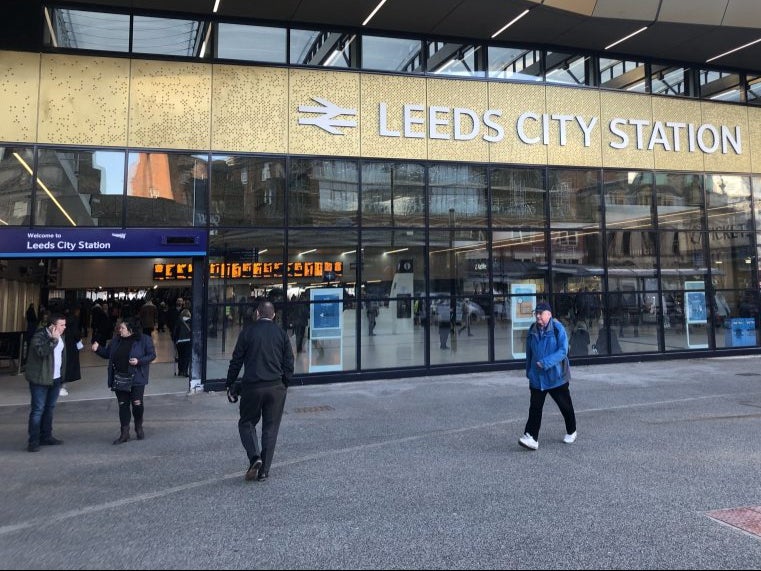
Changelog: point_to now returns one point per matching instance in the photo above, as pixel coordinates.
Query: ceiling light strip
(510, 23)
(216, 6)
(734, 50)
(370, 17)
(642, 29)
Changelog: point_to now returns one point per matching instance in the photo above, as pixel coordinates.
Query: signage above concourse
(464, 124)
(100, 243)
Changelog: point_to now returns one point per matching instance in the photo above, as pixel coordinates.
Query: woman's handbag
(122, 382)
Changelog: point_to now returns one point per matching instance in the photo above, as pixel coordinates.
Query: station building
(405, 180)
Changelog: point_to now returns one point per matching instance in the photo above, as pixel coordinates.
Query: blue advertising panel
(100, 242)
(741, 332)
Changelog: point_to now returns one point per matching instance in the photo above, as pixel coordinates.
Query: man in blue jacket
(548, 372)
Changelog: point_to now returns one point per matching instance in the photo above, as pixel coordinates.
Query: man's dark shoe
(253, 469)
(262, 476)
(33, 447)
(52, 441)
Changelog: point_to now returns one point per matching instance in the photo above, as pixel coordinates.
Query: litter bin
(741, 332)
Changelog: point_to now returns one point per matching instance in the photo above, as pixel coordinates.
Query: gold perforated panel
(577, 111)
(670, 110)
(340, 95)
(726, 158)
(170, 105)
(249, 109)
(395, 92)
(512, 100)
(83, 100)
(19, 88)
(754, 129)
(450, 103)
(624, 106)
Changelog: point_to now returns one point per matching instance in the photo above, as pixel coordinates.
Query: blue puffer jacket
(142, 349)
(550, 349)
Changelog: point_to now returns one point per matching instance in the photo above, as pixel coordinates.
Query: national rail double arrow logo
(327, 118)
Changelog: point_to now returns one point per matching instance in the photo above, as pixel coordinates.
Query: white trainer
(63, 392)
(569, 438)
(527, 441)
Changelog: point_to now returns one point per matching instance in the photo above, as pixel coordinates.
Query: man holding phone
(45, 367)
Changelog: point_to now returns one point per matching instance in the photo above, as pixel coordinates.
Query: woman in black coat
(130, 352)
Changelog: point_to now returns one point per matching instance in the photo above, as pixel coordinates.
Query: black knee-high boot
(139, 429)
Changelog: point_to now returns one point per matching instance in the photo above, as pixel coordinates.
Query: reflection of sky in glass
(111, 166)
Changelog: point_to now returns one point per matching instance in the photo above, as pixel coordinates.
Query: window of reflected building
(623, 74)
(247, 191)
(392, 298)
(251, 43)
(400, 55)
(679, 199)
(393, 194)
(517, 197)
(16, 164)
(574, 197)
(517, 64)
(167, 189)
(79, 188)
(628, 198)
(458, 195)
(323, 192)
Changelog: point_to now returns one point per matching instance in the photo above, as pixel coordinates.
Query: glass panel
(753, 93)
(320, 262)
(736, 314)
(167, 189)
(566, 68)
(456, 259)
(247, 191)
(574, 197)
(631, 253)
(393, 194)
(454, 59)
(517, 197)
(323, 192)
(729, 208)
(393, 279)
(628, 75)
(630, 321)
(251, 43)
(167, 36)
(720, 86)
(515, 63)
(322, 48)
(392, 54)
(519, 260)
(79, 188)
(16, 185)
(77, 29)
(669, 80)
(682, 258)
(458, 195)
(680, 199)
(244, 267)
(686, 321)
(577, 270)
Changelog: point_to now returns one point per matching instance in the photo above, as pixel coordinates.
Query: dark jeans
(184, 353)
(127, 398)
(265, 402)
(562, 397)
(41, 412)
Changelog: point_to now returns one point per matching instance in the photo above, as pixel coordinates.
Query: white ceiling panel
(705, 12)
(645, 10)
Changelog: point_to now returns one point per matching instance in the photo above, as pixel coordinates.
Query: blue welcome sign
(100, 242)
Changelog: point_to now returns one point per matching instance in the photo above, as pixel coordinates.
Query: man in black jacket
(264, 351)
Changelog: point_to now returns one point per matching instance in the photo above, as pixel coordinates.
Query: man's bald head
(266, 310)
